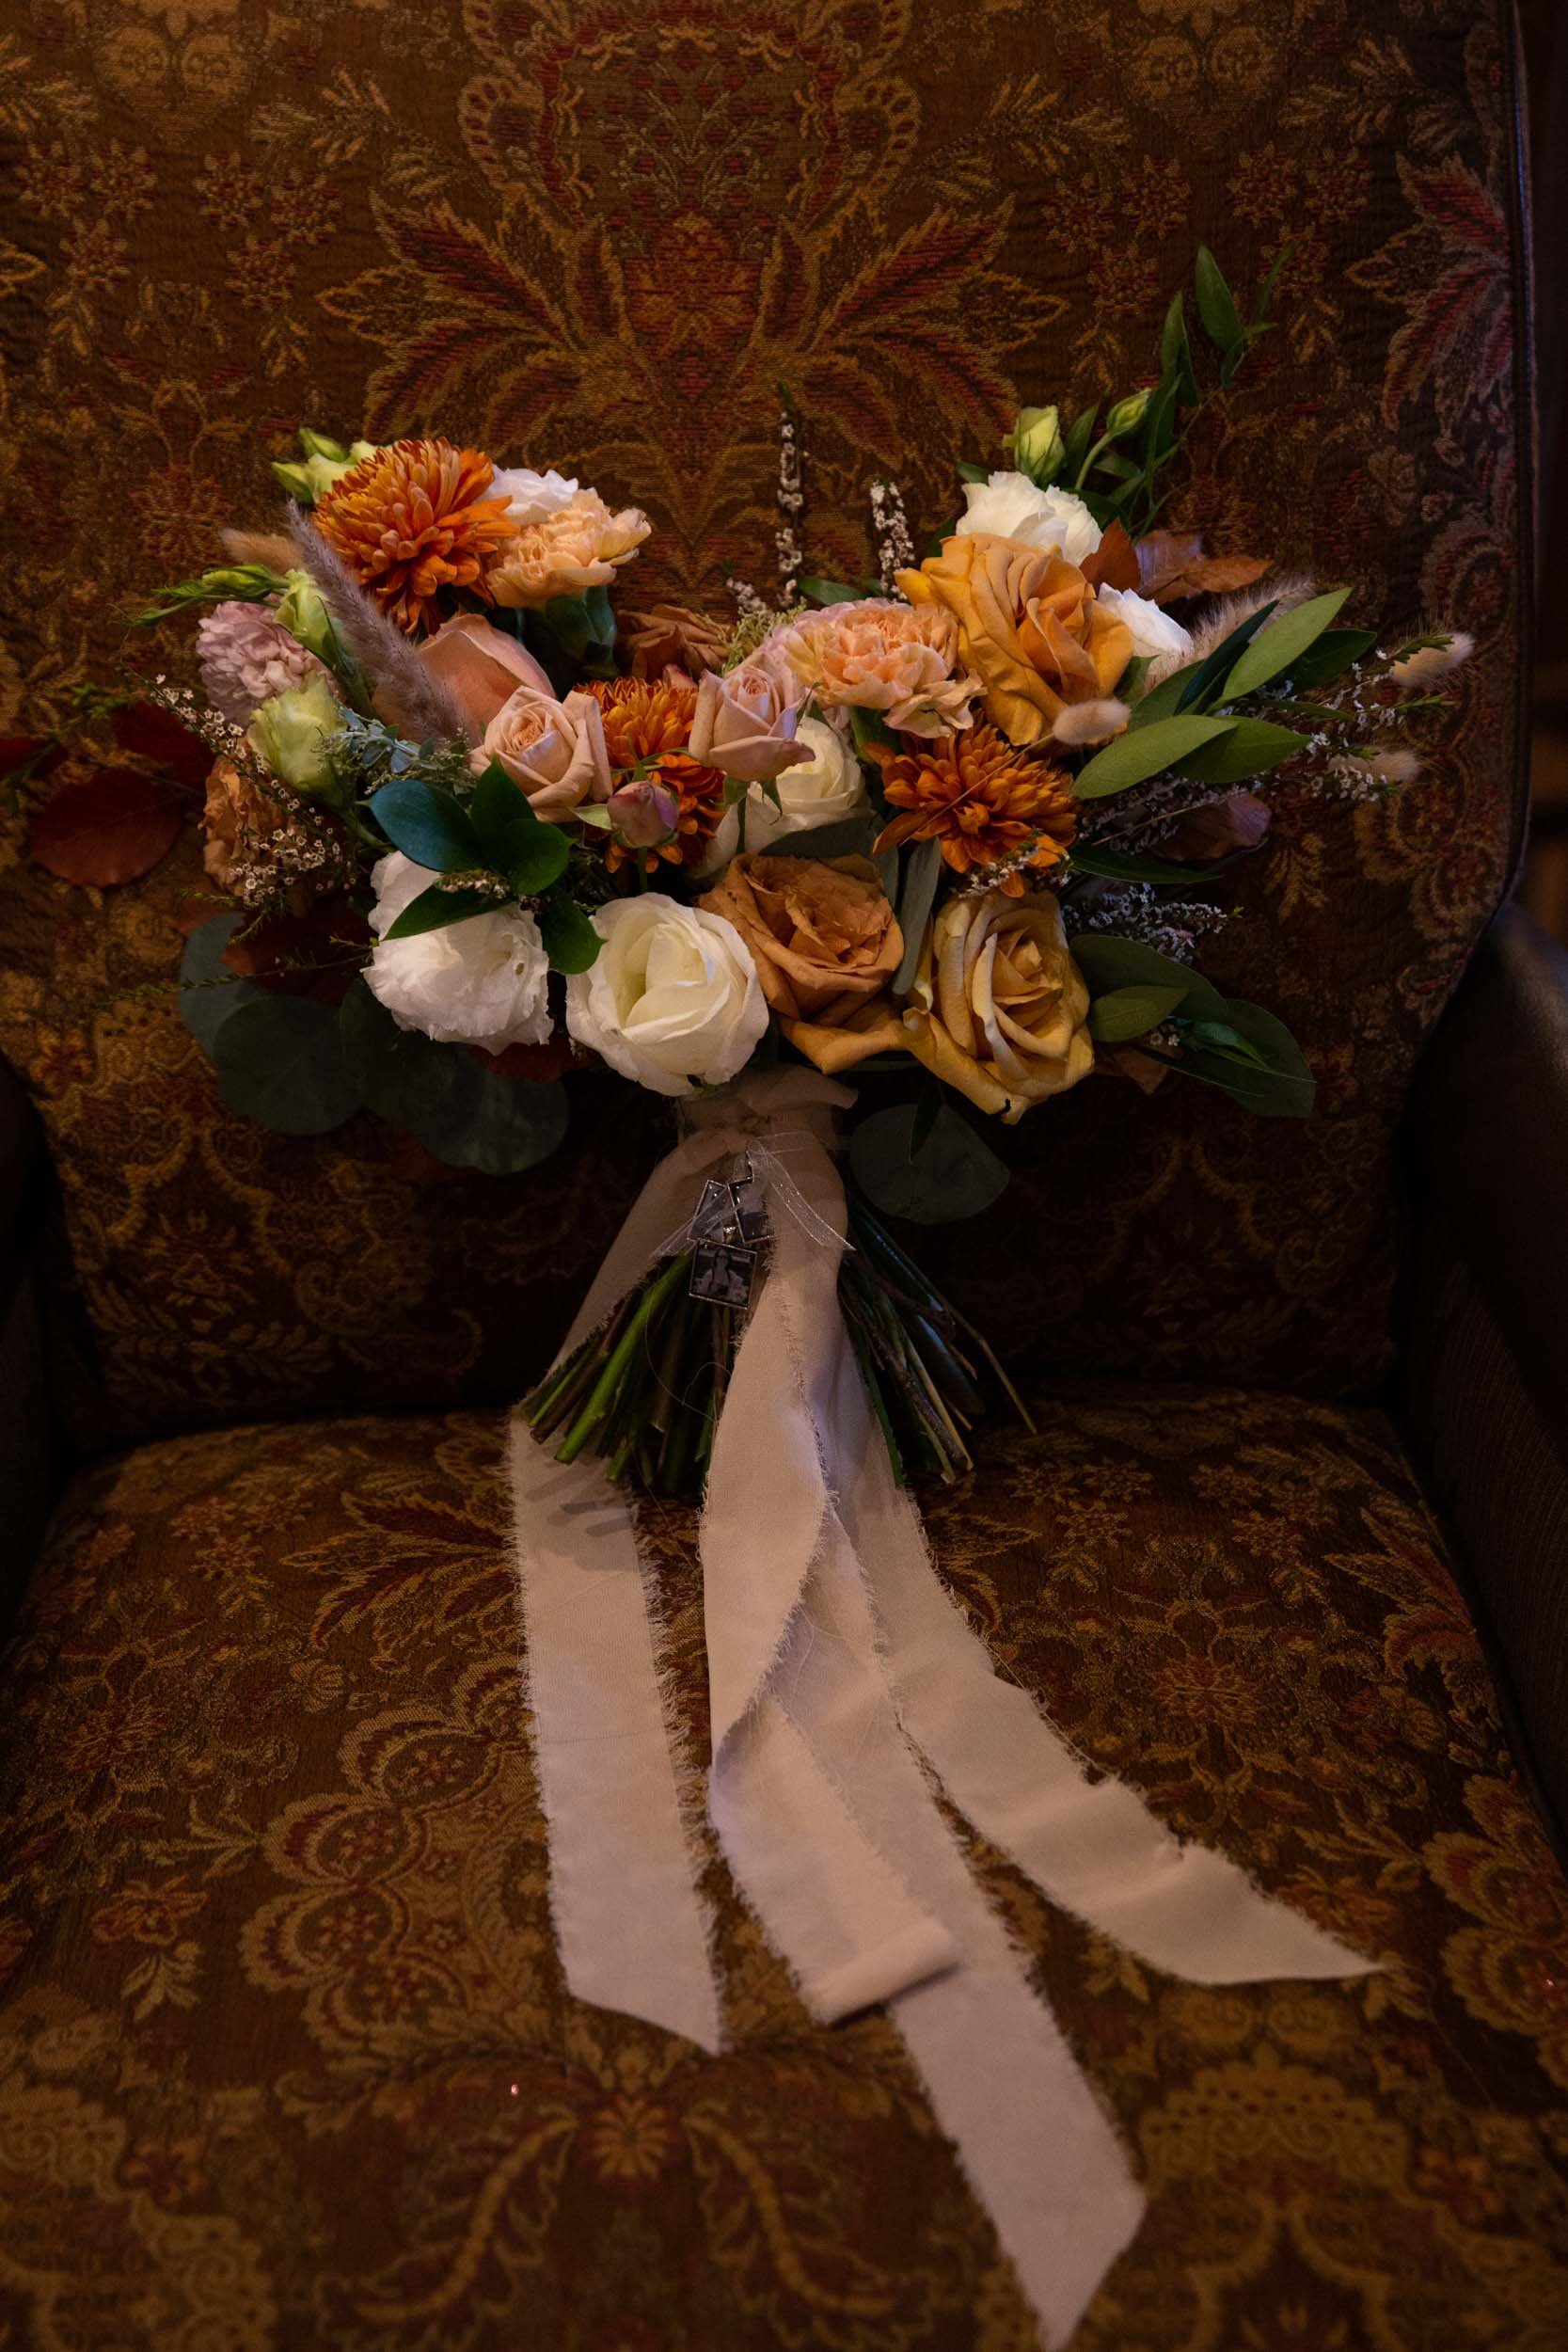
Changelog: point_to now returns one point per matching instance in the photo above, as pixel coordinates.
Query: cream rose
(1010, 506)
(479, 982)
(672, 1001)
(825, 787)
(999, 1009)
(554, 750)
(1167, 644)
(531, 498)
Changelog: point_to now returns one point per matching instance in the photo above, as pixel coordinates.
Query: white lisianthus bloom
(479, 982)
(1010, 506)
(533, 497)
(1167, 644)
(821, 790)
(674, 1001)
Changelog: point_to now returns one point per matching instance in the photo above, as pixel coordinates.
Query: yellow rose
(1028, 623)
(999, 1008)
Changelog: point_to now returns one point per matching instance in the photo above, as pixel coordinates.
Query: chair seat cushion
(285, 2055)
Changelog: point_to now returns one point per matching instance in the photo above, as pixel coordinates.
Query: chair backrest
(602, 236)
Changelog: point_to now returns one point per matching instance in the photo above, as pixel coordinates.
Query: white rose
(1166, 642)
(533, 496)
(821, 790)
(479, 983)
(673, 1000)
(1011, 507)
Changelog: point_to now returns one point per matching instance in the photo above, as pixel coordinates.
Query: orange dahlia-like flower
(412, 520)
(985, 801)
(645, 724)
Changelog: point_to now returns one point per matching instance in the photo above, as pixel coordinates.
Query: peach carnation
(581, 546)
(880, 655)
(414, 518)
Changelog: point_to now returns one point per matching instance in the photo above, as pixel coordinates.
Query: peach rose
(555, 751)
(999, 1009)
(744, 727)
(826, 944)
(481, 665)
(671, 637)
(877, 655)
(581, 546)
(1029, 621)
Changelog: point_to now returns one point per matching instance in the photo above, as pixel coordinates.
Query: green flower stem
(608, 1382)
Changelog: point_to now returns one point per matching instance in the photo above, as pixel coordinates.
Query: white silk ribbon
(845, 1688)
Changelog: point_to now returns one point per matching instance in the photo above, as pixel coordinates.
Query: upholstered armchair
(286, 2057)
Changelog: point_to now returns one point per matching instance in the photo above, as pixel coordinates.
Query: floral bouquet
(474, 821)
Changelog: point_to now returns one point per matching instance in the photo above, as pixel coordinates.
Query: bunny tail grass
(407, 696)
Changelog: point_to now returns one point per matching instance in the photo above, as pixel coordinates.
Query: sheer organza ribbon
(846, 1689)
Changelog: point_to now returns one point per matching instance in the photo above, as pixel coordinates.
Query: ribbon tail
(1092, 1846)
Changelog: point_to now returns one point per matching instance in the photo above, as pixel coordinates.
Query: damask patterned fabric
(286, 2057)
(600, 234)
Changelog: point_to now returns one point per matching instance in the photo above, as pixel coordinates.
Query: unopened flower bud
(644, 814)
(301, 611)
(325, 463)
(1036, 443)
(1127, 415)
(291, 731)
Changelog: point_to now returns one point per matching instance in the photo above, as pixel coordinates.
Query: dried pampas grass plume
(272, 549)
(1213, 630)
(1078, 724)
(407, 694)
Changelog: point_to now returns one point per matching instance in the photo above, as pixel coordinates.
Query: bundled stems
(645, 1392)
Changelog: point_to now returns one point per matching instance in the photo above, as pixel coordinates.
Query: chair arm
(28, 1463)
(1485, 1310)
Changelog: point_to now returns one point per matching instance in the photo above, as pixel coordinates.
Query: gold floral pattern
(283, 2035)
(601, 236)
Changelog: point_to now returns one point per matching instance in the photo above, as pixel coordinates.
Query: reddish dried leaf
(17, 750)
(550, 1060)
(107, 828)
(314, 954)
(1165, 555)
(1115, 562)
(1218, 829)
(150, 732)
(1222, 575)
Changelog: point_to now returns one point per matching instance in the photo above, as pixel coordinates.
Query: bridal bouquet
(477, 815)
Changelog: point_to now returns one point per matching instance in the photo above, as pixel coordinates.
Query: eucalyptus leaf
(1145, 752)
(951, 1173)
(1108, 962)
(404, 1075)
(436, 907)
(1124, 1012)
(280, 1061)
(1254, 747)
(817, 591)
(1217, 305)
(570, 940)
(921, 873)
(428, 825)
(1282, 643)
(498, 1125)
(206, 996)
(1252, 1055)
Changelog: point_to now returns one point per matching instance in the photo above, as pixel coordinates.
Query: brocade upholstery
(285, 2056)
(600, 233)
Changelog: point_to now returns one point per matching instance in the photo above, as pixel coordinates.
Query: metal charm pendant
(721, 1274)
(716, 1216)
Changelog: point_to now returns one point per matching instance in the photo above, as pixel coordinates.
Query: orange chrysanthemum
(987, 803)
(413, 519)
(645, 724)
